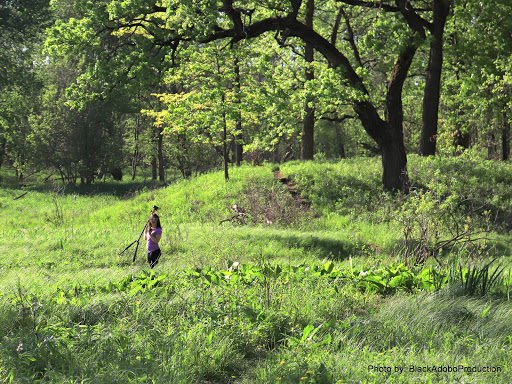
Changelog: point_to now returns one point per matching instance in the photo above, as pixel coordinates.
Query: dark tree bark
(135, 155)
(154, 168)
(225, 150)
(433, 80)
(161, 167)
(505, 138)
(492, 147)
(308, 123)
(239, 146)
(341, 146)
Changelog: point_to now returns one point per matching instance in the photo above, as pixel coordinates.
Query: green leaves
(69, 37)
(480, 280)
(384, 280)
(395, 277)
(313, 337)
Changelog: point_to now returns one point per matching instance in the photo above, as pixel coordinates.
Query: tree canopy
(180, 80)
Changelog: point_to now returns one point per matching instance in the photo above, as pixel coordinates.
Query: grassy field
(360, 286)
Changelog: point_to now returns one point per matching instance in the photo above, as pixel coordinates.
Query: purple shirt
(151, 245)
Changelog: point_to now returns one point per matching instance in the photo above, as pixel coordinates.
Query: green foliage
(442, 212)
(481, 280)
(206, 310)
(315, 300)
(484, 120)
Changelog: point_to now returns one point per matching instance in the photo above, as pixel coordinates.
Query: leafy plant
(480, 280)
(313, 337)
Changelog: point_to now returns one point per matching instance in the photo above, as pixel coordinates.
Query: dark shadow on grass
(121, 189)
(37, 182)
(323, 246)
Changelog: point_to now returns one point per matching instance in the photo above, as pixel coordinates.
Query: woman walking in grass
(152, 235)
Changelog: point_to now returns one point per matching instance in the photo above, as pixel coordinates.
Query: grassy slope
(54, 242)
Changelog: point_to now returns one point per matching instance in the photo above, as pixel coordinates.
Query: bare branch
(350, 37)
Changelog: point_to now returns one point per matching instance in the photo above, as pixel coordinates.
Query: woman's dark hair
(155, 216)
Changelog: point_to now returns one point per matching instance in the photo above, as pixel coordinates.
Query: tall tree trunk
(433, 80)
(388, 134)
(394, 157)
(154, 168)
(308, 123)
(239, 146)
(225, 150)
(505, 138)
(225, 155)
(339, 139)
(161, 164)
(135, 155)
(394, 162)
(492, 147)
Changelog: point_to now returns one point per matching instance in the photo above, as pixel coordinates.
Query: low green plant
(479, 279)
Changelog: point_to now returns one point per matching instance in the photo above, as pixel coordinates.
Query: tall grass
(427, 338)
(73, 310)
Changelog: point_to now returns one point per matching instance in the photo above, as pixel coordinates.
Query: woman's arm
(156, 238)
(146, 232)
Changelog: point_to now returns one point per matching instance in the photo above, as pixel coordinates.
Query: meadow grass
(423, 338)
(72, 310)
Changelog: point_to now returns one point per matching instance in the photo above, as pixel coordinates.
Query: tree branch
(338, 119)
(234, 15)
(415, 22)
(372, 4)
(350, 36)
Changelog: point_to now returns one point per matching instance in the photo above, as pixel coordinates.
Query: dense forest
(100, 88)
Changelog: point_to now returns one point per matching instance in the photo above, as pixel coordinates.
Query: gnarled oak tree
(149, 34)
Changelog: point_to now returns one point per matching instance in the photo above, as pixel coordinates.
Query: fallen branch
(19, 197)
(240, 215)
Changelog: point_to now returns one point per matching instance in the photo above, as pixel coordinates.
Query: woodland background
(97, 88)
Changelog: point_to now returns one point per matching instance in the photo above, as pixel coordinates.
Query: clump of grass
(479, 278)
